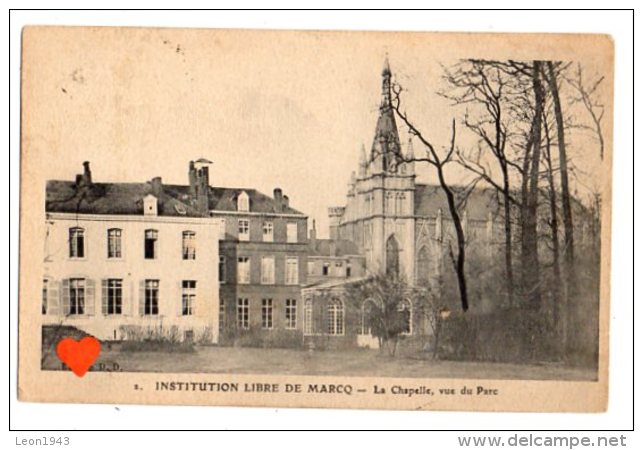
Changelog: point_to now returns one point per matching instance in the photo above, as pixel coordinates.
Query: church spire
(386, 85)
(386, 143)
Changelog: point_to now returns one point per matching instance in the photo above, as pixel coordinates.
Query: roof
(111, 198)
(334, 247)
(333, 284)
(479, 203)
(127, 199)
(225, 199)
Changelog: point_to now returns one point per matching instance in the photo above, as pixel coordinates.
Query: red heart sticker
(79, 356)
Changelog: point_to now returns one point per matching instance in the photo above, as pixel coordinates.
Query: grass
(355, 362)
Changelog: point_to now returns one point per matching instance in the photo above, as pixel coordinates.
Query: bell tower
(387, 186)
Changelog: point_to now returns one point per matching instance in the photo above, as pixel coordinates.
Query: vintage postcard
(315, 219)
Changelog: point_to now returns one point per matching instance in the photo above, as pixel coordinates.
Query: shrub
(260, 338)
(154, 339)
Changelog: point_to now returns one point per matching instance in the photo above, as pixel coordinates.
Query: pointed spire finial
(386, 85)
(386, 70)
(409, 148)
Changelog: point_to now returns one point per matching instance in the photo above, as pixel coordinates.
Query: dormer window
(150, 205)
(243, 202)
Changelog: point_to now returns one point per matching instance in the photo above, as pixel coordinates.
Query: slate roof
(225, 199)
(127, 199)
(342, 247)
(430, 198)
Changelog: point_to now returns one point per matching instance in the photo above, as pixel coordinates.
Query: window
(221, 269)
(311, 267)
(151, 239)
(291, 313)
(291, 232)
(267, 270)
(243, 202)
(292, 270)
(242, 313)
(325, 269)
(244, 230)
(405, 309)
(188, 295)
(221, 314)
(45, 292)
(308, 316)
(112, 296)
(338, 269)
(114, 243)
(348, 270)
(76, 243)
(243, 270)
(335, 317)
(266, 313)
(189, 245)
(76, 305)
(151, 304)
(268, 233)
(77, 296)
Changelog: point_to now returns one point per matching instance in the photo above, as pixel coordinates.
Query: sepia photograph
(240, 211)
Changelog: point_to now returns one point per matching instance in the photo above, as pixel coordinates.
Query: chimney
(199, 176)
(278, 196)
(192, 179)
(312, 236)
(286, 201)
(86, 177)
(157, 186)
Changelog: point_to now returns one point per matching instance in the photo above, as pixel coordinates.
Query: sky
(270, 109)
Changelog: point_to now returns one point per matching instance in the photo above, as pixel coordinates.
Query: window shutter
(64, 310)
(53, 301)
(90, 297)
(141, 298)
(104, 300)
(178, 310)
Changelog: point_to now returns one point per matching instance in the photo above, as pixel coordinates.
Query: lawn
(357, 362)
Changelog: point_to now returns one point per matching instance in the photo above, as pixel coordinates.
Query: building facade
(396, 226)
(126, 259)
(209, 263)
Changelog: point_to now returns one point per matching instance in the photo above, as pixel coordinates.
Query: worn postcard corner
(372, 220)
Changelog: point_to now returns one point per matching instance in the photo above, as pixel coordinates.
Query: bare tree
(483, 85)
(586, 93)
(530, 262)
(439, 161)
(564, 178)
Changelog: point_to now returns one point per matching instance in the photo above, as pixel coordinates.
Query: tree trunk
(570, 270)
(509, 274)
(457, 223)
(530, 268)
(558, 287)
(564, 178)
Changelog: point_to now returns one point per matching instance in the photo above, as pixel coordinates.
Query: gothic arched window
(335, 323)
(392, 256)
(423, 266)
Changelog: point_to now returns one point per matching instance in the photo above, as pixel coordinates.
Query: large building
(126, 259)
(396, 225)
(205, 263)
